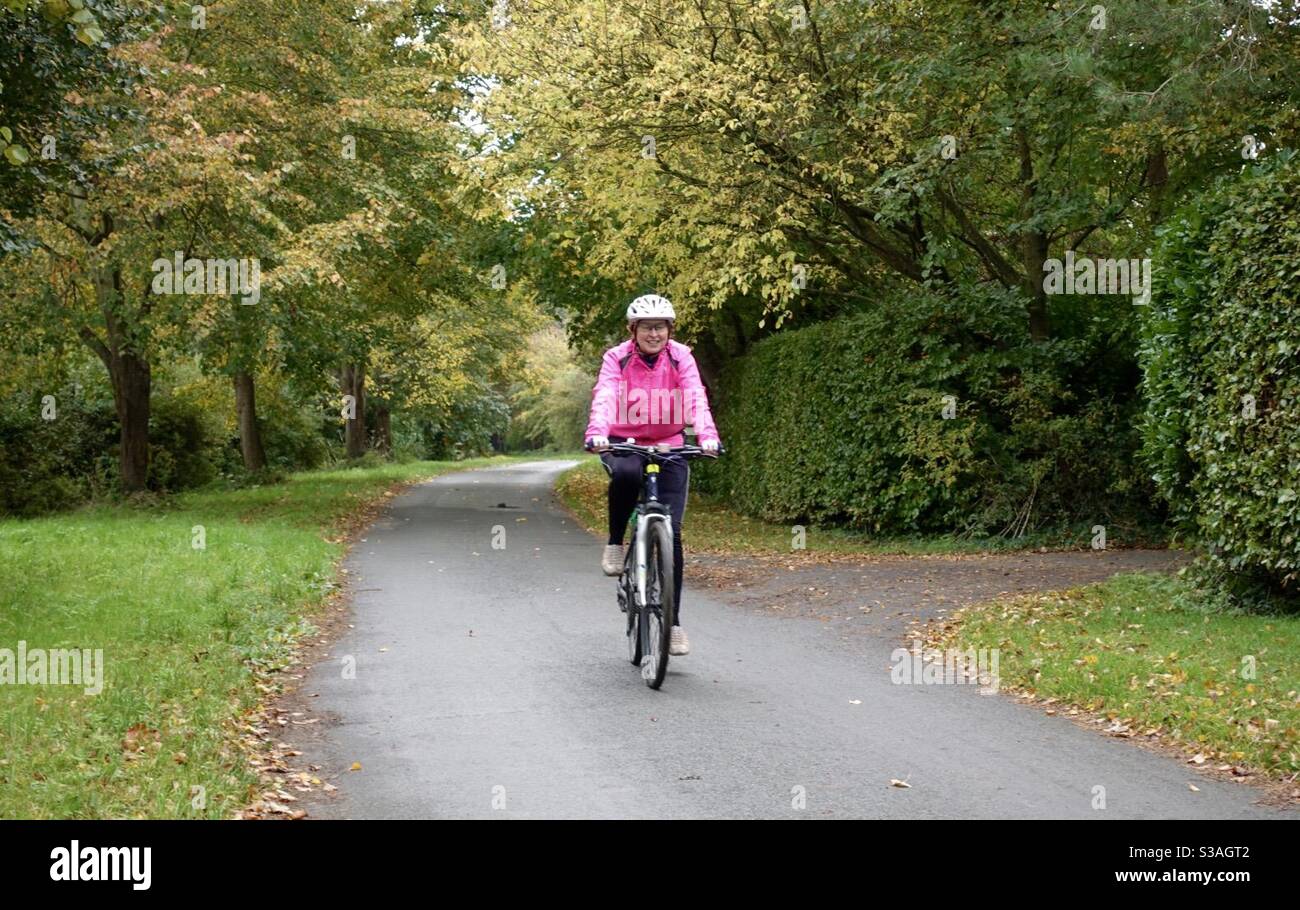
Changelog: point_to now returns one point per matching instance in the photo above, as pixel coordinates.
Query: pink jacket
(650, 405)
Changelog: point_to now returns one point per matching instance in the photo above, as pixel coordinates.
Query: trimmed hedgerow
(1220, 351)
(843, 422)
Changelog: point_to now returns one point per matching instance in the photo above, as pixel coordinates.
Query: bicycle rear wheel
(657, 617)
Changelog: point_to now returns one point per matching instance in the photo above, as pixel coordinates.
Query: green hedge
(843, 422)
(47, 465)
(1224, 324)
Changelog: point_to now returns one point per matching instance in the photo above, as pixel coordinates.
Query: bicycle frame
(653, 511)
(650, 509)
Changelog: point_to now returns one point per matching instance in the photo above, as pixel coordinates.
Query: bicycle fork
(639, 555)
(643, 525)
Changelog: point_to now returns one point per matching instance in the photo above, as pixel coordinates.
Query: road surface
(493, 683)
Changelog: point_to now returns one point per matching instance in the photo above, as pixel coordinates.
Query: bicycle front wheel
(657, 617)
(627, 593)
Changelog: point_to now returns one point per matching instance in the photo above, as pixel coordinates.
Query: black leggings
(624, 487)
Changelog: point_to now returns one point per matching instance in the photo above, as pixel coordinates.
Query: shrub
(183, 438)
(52, 464)
(1221, 358)
(843, 422)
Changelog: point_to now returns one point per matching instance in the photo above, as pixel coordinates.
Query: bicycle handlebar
(628, 448)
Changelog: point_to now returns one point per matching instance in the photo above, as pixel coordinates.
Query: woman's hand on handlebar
(711, 449)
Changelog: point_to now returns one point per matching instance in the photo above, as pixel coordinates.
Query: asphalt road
(494, 683)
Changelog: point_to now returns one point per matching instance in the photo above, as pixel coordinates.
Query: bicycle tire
(657, 620)
(633, 630)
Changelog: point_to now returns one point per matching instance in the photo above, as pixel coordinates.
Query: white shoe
(678, 644)
(611, 561)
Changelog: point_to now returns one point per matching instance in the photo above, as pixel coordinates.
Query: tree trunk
(708, 360)
(1034, 250)
(1033, 245)
(122, 353)
(383, 428)
(352, 381)
(132, 383)
(131, 378)
(250, 437)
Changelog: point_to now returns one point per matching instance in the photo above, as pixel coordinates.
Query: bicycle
(646, 588)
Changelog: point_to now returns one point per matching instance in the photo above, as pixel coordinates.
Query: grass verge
(196, 602)
(1132, 657)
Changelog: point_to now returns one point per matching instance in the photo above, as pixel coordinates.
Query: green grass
(711, 527)
(191, 637)
(1131, 650)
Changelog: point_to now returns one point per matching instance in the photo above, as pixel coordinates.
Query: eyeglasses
(652, 326)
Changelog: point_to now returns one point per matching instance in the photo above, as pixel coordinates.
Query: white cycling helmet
(650, 306)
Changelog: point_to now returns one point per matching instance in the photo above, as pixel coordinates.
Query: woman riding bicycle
(648, 389)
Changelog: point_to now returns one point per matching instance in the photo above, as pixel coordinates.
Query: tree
(212, 164)
(52, 49)
(789, 153)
